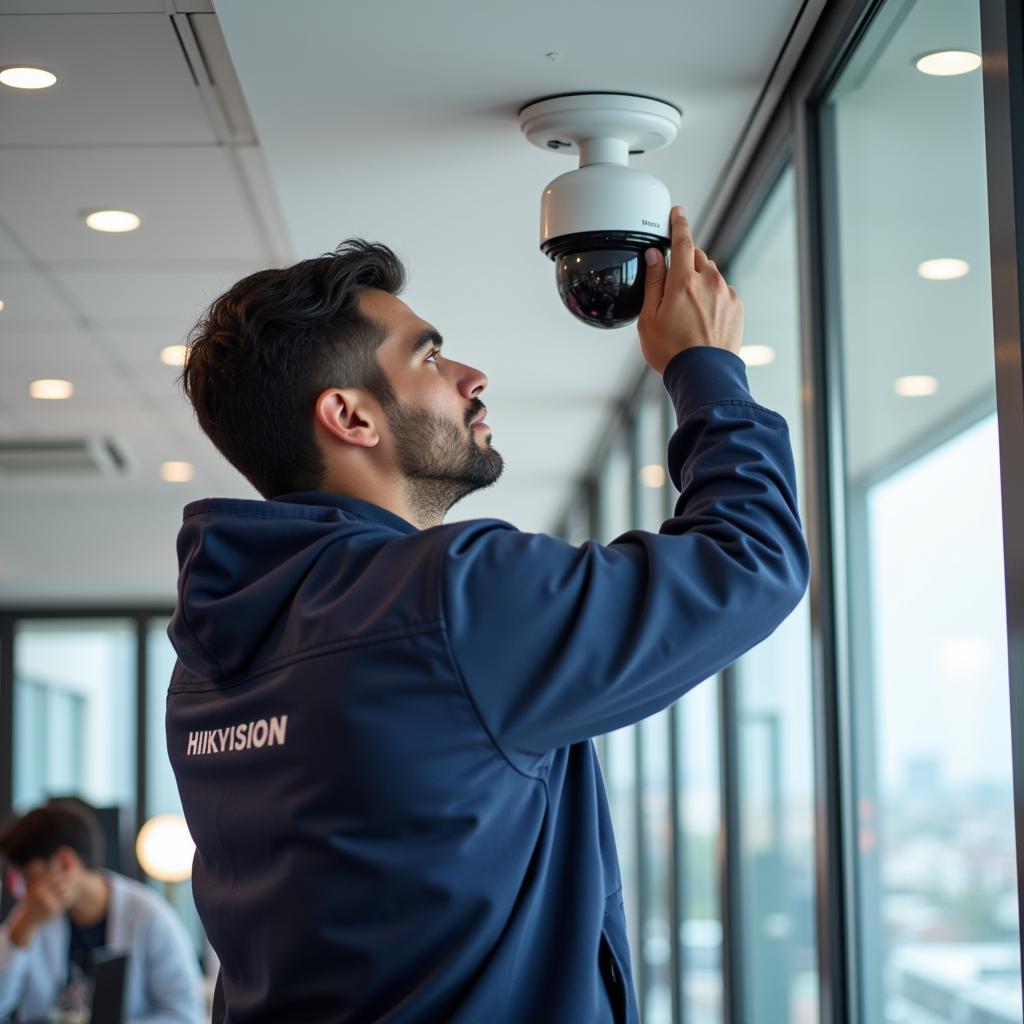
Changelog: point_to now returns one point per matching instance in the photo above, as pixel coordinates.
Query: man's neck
(93, 900)
(393, 496)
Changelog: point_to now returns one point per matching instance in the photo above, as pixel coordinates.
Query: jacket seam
(480, 717)
(464, 684)
(314, 652)
(184, 613)
(293, 512)
(734, 401)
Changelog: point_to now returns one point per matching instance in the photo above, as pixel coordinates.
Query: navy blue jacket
(382, 735)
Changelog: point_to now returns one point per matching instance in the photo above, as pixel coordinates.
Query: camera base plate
(560, 123)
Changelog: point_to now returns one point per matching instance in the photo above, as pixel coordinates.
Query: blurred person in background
(69, 907)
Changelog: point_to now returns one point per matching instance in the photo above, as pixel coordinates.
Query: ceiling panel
(130, 536)
(168, 300)
(121, 79)
(12, 256)
(189, 201)
(99, 390)
(140, 347)
(31, 354)
(31, 301)
(82, 6)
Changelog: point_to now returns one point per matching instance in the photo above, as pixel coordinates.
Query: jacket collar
(354, 506)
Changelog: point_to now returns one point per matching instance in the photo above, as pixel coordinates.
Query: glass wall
(937, 889)
(161, 788)
(666, 852)
(619, 748)
(699, 851)
(74, 712)
(774, 737)
(75, 728)
(649, 483)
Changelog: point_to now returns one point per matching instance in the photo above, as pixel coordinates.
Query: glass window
(698, 847)
(161, 787)
(613, 502)
(576, 525)
(936, 882)
(652, 471)
(613, 498)
(656, 811)
(775, 752)
(620, 755)
(74, 712)
(649, 480)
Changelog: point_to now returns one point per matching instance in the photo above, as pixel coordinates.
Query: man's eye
(436, 352)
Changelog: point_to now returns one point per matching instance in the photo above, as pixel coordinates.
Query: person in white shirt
(69, 907)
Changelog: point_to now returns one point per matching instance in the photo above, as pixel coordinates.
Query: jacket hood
(240, 562)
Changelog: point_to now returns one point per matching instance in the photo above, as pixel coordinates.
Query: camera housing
(597, 221)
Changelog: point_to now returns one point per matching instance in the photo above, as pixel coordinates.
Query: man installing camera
(381, 725)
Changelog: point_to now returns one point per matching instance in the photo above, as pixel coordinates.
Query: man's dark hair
(264, 350)
(41, 832)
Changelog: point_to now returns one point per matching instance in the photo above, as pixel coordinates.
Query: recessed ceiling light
(652, 475)
(948, 62)
(757, 355)
(943, 270)
(112, 220)
(173, 355)
(177, 472)
(1, 305)
(27, 78)
(51, 389)
(916, 386)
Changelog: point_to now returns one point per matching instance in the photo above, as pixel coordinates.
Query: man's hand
(45, 899)
(690, 305)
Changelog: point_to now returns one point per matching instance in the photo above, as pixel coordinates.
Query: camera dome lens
(603, 287)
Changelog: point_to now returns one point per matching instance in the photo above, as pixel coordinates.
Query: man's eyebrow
(428, 337)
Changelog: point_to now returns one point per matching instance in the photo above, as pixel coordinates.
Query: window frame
(140, 617)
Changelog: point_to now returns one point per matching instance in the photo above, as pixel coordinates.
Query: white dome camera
(596, 221)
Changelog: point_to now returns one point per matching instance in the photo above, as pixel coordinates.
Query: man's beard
(441, 461)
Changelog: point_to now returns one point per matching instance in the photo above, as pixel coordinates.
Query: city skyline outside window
(933, 818)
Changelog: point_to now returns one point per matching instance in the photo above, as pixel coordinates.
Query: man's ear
(349, 415)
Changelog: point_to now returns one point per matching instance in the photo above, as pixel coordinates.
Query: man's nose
(471, 381)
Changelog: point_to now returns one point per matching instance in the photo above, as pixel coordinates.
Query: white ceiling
(394, 121)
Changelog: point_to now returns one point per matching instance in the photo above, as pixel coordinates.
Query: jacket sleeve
(173, 982)
(13, 970)
(556, 643)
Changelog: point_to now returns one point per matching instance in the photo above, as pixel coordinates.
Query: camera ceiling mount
(597, 220)
(603, 127)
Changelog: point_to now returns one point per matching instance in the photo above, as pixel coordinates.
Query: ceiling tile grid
(128, 127)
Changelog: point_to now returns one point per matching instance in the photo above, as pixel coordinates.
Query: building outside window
(937, 914)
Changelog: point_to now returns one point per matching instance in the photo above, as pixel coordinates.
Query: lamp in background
(164, 850)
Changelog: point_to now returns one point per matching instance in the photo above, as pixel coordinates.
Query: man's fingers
(700, 259)
(654, 283)
(682, 244)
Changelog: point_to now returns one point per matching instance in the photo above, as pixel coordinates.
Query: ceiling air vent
(74, 456)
